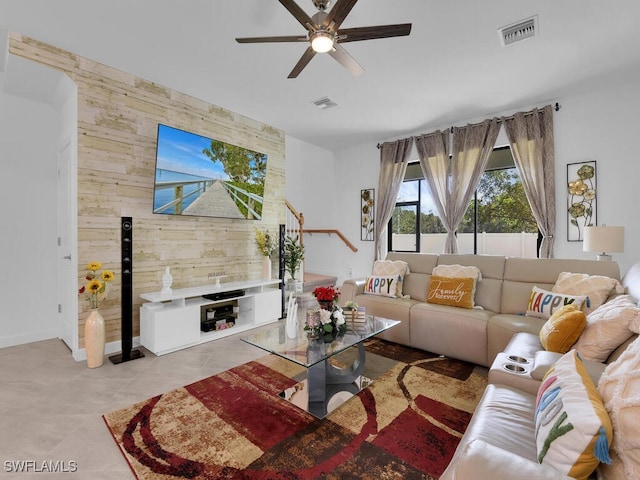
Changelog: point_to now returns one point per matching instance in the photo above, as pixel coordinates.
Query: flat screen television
(201, 176)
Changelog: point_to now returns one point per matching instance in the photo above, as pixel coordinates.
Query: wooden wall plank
(118, 115)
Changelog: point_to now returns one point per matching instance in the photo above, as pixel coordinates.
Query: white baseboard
(109, 349)
(10, 341)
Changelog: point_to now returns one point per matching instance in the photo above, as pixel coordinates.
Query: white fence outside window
(508, 244)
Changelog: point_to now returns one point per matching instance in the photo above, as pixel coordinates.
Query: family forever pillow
(543, 303)
(378, 285)
(397, 268)
(452, 291)
(573, 429)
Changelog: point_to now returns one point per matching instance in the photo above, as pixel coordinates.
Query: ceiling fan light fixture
(322, 41)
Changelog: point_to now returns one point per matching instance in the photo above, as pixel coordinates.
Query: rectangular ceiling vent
(518, 31)
(324, 103)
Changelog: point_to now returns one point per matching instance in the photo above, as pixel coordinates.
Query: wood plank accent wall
(118, 114)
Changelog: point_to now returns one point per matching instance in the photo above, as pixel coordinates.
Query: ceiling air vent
(518, 31)
(324, 103)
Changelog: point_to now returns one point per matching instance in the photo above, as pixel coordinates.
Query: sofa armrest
(544, 361)
(480, 460)
(350, 289)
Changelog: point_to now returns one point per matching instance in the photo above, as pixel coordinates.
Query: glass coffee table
(328, 384)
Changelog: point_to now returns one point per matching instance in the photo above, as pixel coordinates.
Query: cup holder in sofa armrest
(518, 359)
(513, 368)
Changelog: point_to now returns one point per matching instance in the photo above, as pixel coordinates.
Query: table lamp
(603, 239)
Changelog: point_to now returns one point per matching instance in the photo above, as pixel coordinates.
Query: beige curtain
(452, 182)
(394, 157)
(531, 139)
(433, 151)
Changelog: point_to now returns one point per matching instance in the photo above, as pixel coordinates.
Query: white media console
(170, 322)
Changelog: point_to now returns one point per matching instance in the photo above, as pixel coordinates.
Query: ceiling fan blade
(346, 60)
(287, 38)
(370, 33)
(304, 60)
(299, 14)
(338, 13)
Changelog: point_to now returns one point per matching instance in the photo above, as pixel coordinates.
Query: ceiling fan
(325, 36)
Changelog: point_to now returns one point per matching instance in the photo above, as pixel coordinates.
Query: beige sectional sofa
(502, 440)
(475, 335)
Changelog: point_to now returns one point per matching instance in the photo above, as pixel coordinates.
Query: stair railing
(294, 224)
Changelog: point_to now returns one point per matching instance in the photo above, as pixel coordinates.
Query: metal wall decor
(581, 204)
(367, 213)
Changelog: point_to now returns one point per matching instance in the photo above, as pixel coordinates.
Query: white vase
(266, 267)
(167, 280)
(94, 333)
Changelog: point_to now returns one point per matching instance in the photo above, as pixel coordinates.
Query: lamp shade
(603, 239)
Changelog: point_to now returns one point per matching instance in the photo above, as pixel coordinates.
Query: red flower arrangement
(326, 294)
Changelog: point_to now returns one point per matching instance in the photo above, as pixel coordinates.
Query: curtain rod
(556, 107)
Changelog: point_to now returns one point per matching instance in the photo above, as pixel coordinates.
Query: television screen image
(200, 176)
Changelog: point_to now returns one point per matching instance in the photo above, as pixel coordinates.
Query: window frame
(416, 204)
(500, 166)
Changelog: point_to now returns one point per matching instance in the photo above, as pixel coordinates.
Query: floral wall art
(581, 209)
(367, 214)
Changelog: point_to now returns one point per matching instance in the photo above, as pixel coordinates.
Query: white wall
(326, 189)
(28, 293)
(596, 122)
(601, 123)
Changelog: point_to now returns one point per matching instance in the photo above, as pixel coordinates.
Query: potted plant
(293, 257)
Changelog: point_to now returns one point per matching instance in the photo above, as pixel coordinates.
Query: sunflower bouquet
(96, 287)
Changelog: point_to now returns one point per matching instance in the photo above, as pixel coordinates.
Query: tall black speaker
(126, 326)
(283, 296)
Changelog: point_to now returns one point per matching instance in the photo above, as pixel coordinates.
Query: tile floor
(51, 405)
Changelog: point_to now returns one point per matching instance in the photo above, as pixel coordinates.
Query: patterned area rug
(233, 425)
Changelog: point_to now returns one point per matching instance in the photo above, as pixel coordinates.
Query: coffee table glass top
(297, 347)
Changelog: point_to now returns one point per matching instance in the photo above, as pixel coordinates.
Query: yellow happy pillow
(563, 329)
(456, 292)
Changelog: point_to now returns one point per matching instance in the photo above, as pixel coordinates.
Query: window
(498, 221)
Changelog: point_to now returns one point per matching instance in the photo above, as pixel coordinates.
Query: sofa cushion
(607, 328)
(381, 285)
(573, 429)
(418, 262)
(619, 386)
(416, 286)
(397, 268)
(393, 308)
(456, 332)
(458, 271)
(489, 290)
(542, 303)
(479, 459)
(452, 291)
(562, 329)
(596, 287)
(522, 274)
(504, 418)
